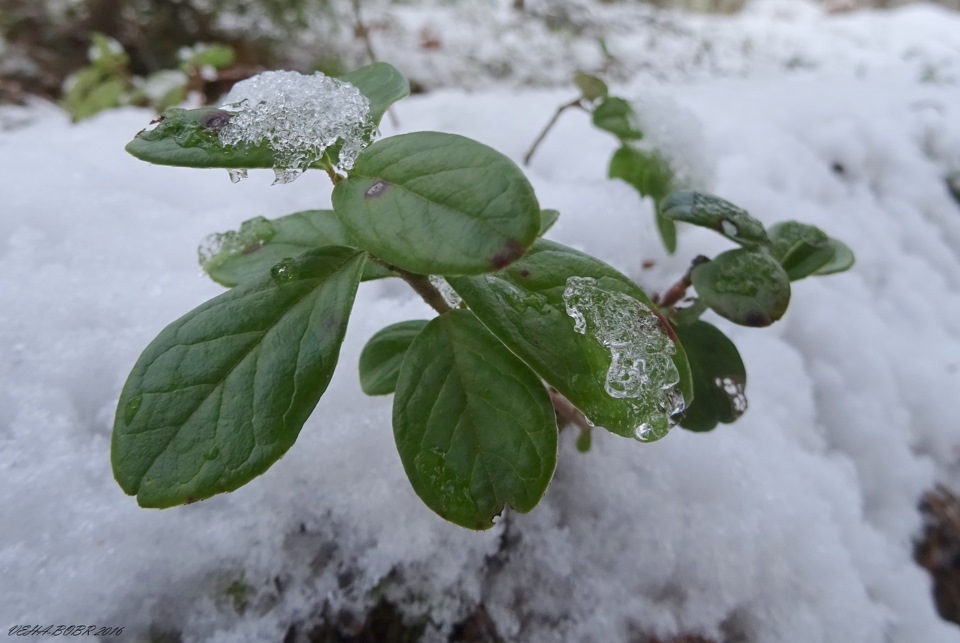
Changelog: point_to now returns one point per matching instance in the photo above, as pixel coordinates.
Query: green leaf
(591, 87)
(616, 116)
(715, 213)
(525, 307)
(190, 138)
(250, 252)
(382, 357)
(745, 286)
(648, 172)
(719, 377)
(382, 84)
(215, 55)
(223, 392)
(800, 248)
(435, 203)
(547, 219)
(474, 426)
(843, 259)
(668, 231)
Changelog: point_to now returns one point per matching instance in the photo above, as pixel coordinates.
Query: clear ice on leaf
(300, 118)
(221, 246)
(641, 365)
(446, 290)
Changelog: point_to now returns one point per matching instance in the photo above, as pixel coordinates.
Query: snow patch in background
(792, 525)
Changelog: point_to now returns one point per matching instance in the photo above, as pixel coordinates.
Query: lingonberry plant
(749, 286)
(529, 333)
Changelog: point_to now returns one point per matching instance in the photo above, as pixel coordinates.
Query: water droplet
(728, 228)
(237, 175)
(218, 248)
(286, 270)
(375, 190)
(282, 176)
(131, 408)
(212, 453)
(641, 365)
(449, 294)
(298, 117)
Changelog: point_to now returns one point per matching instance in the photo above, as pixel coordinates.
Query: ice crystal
(299, 117)
(641, 365)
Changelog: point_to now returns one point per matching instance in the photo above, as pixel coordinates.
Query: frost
(299, 117)
(220, 246)
(641, 364)
(449, 294)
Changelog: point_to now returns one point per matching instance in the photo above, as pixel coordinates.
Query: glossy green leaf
(648, 172)
(382, 357)
(223, 392)
(800, 248)
(435, 203)
(382, 84)
(190, 138)
(591, 87)
(250, 252)
(474, 426)
(547, 219)
(719, 377)
(843, 259)
(524, 307)
(712, 212)
(616, 116)
(745, 286)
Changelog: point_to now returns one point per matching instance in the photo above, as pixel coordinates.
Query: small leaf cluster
(749, 285)
(107, 81)
(530, 334)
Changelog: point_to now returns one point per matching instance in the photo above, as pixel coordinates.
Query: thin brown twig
(577, 102)
(676, 292)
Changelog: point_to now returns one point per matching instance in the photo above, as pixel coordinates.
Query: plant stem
(568, 412)
(422, 285)
(677, 291)
(533, 148)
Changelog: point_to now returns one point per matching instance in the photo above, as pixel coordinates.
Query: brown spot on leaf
(215, 119)
(510, 252)
(376, 190)
(758, 319)
(524, 273)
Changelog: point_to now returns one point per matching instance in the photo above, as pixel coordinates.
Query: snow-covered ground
(793, 525)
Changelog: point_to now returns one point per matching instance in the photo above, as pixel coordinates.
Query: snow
(793, 525)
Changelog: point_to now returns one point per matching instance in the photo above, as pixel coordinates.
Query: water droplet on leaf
(131, 408)
(286, 270)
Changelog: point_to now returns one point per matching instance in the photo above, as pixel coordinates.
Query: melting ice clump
(641, 368)
(299, 117)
